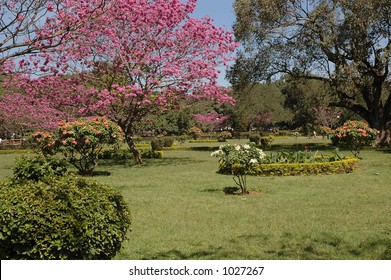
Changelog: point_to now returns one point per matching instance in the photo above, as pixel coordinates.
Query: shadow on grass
(211, 190)
(302, 146)
(287, 246)
(150, 162)
(174, 254)
(231, 190)
(171, 161)
(384, 150)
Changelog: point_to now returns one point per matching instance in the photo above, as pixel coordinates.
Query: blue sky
(222, 13)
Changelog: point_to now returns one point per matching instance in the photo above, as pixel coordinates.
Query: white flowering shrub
(238, 160)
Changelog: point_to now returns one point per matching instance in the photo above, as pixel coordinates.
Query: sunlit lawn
(179, 210)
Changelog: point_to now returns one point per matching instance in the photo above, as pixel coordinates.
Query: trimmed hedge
(293, 169)
(8, 152)
(204, 141)
(125, 154)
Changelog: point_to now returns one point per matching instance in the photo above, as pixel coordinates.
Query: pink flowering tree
(31, 31)
(327, 116)
(354, 135)
(139, 57)
(210, 121)
(38, 26)
(151, 55)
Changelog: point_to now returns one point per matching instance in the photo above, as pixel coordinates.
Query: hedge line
(293, 169)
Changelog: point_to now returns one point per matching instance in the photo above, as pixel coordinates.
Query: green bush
(182, 139)
(125, 154)
(223, 136)
(115, 154)
(64, 218)
(266, 141)
(255, 138)
(354, 135)
(157, 144)
(152, 154)
(168, 141)
(38, 167)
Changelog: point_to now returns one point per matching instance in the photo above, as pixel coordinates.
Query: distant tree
(346, 44)
(210, 121)
(260, 105)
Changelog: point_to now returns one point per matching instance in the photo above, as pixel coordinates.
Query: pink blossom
(50, 7)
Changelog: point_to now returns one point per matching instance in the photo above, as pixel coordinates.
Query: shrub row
(204, 141)
(158, 144)
(292, 169)
(7, 152)
(125, 154)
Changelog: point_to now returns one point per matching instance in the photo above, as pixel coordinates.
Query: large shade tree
(344, 43)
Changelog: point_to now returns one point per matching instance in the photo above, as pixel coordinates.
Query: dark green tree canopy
(344, 43)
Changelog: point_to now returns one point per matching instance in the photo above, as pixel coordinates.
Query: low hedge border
(125, 154)
(8, 152)
(204, 141)
(293, 169)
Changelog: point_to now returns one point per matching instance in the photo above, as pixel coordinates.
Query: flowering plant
(239, 159)
(195, 132)
(354, 135)
(45, 142)
(80, 141)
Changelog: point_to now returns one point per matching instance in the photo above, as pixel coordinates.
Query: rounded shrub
(255, 138)
(38, 167)
(157, 144)
(63, 218)
(168, 141)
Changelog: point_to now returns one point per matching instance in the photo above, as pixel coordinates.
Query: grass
(179, 210)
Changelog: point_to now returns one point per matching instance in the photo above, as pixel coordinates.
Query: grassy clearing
(179, 210)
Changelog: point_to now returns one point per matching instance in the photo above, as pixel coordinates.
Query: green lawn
(179, 210)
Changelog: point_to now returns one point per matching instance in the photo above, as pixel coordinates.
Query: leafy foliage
(312, 168)
(239, 159)
(354, 135)
(125, 154)
(157, 144)
(255, 138)
(195, 132)
(38, 168)
(63, 218)
(326, 41)
(80, 141)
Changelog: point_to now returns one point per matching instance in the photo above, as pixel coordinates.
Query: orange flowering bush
(45, 142)
(80, 141)
(354, 135)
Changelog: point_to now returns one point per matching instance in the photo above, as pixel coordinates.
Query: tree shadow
(302, 146)
(174, 254)
(231, 190)
(211, 190)
(286, 246)
(175, 161)
(150, 162)
(386, 150)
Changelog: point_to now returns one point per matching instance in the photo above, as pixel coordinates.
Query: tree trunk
(132, 147)
(385, 135)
